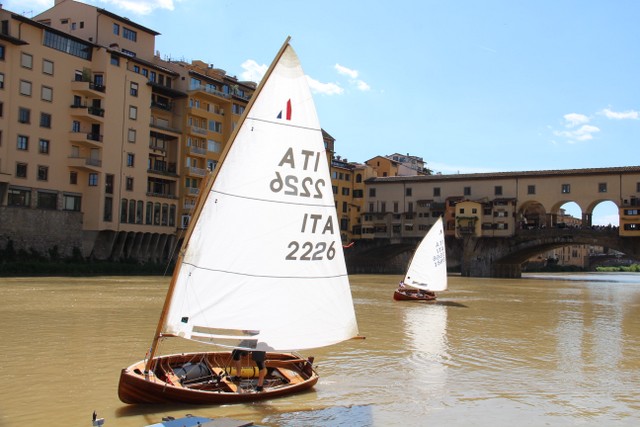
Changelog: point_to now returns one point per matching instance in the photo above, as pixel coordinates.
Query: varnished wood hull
(287, 374)
(413, 295)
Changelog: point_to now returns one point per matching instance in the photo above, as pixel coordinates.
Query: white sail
(428, 267)
(264, 267)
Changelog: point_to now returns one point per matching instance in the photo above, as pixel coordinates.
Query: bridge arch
(487, 257)
(532, 214)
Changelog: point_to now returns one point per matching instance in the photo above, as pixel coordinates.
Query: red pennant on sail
(288, 112)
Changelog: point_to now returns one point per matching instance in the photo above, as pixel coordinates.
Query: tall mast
(202, 198)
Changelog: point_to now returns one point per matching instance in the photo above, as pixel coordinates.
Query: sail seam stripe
(317, 205)
(264, 275)
(283, 124)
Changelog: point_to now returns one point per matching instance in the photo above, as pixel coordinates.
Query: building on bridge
(496, 204)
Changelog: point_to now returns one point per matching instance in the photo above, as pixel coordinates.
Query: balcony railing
(198, 130)
(197, 150)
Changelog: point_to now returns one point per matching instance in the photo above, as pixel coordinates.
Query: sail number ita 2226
(314, 224)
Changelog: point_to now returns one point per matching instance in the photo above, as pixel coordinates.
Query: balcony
(162, 195)
(162, 105)
(198, 130)
(199, 151)
(163, 168)
(88, 89)
(92, 140)
(196, 171)
(93, 114)
(86, 163)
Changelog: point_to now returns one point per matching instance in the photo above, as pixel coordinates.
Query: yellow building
(209, 114)
(100, 138)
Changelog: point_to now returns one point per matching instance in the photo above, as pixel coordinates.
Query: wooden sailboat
(427, 272)
(262, 266)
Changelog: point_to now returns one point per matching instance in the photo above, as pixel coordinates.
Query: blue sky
(469, 86)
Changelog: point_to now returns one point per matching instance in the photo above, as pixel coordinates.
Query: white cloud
(253, 72)
(346, 71)
(633, 115)
(362, 85)
(324, 88)
(353, 74)
(575, 119)
(583, 133)
(140, 7)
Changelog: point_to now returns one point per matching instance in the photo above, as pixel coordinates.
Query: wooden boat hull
(287, 374)
(413, 295)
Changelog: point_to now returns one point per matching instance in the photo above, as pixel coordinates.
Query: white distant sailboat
(262, 266)
(427, 272)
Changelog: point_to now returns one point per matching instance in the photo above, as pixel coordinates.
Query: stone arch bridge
(485, 256)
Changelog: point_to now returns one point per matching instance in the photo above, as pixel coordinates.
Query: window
(372, 192)
(115, 60)
(131, 136)
(531, 189)
(566, 188)
(25, 88)
(408, 192)
(172, 216)
(136, 69)
(129, 183)
(602, 187)
(24, 115)
(123, 210)
(131, 158)
(67, 45)
(345, 191)
(26, 60)
(21, 170)
(18, 197)
(73, 178)
(47, 93)
(71, 202)
(23, 142)
(2, 52)
(133, 112)
(215, 126)
(498, 190)
(45, 120)
(43, 173)
(116, 29)
(1, 81)
(129, 34)
(133, 90)
(47, 67)
(213, 146)
(132, 212)
(43, 146)
(148, 219)
(93, 179)
(139, 212)
(108, 209)
(436, 192)
(108, 184)
(467, 191)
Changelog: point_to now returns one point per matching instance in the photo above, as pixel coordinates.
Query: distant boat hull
(413, 295)
(203, 378)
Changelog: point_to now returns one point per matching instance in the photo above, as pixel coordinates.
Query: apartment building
(102, 144)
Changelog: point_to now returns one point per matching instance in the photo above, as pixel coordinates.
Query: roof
(506, 175)
(127, 21)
